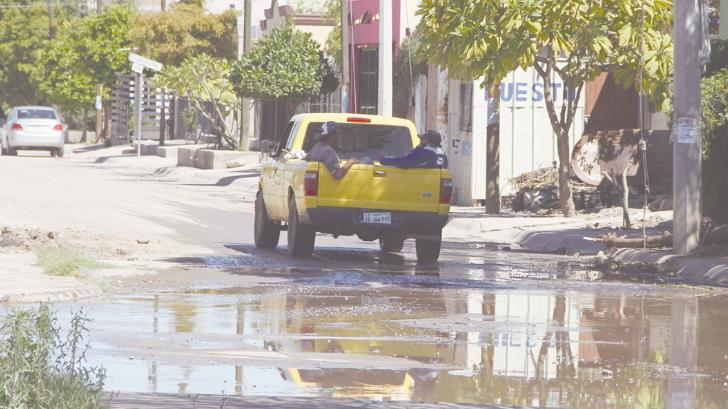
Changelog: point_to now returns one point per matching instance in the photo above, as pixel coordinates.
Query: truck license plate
(377, 218)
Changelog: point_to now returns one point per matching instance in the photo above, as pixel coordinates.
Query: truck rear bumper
(345, 221)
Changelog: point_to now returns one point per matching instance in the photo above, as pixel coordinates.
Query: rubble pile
(539, 190)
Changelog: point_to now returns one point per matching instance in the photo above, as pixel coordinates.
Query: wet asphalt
(355, 327)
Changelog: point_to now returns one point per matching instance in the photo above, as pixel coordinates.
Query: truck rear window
(364, 140)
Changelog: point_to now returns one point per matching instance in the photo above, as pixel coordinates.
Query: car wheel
(58, 153)
(301, 237)
(428, 246)
(391, 243)
(266, 232)
(12, 151)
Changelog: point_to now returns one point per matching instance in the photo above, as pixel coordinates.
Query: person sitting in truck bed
(323, 152)
(428, 154)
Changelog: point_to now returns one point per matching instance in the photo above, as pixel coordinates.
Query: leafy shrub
(714, 132)
(42, 367)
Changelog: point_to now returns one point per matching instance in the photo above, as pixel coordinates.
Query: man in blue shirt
(428, 154)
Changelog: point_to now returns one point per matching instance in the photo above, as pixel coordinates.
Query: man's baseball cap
(328, 128)
(432, 136)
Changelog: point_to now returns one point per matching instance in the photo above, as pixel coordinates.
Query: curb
(693, 270)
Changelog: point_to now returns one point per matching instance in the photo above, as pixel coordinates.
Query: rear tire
(11, 151)
(391, 243)
(428, 246)
(301, 237)
(267, 232)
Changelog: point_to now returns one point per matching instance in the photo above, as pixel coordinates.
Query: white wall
(527, 140)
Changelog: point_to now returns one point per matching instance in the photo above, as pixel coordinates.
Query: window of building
(466, 106)
(368, 85)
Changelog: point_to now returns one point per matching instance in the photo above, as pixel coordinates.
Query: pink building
(364, 48)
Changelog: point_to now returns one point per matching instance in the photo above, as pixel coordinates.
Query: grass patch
(62, 261)
(43, 367)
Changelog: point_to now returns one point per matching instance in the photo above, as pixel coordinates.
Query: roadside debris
(654, 241)
(538, 191)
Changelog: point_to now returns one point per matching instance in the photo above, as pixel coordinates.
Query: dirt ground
(126, 212)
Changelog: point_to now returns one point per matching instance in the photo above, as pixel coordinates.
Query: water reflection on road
(644, 348)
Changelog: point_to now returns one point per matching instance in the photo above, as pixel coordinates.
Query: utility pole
(344, 56)
(687, 171)
(246, 33)
(384, 106)
(99, 106)
(138, 95)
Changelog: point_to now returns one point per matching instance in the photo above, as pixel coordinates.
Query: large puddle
(626, 347)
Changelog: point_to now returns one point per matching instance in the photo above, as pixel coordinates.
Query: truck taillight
(310, 183)
(17, 126)
(358, 120)
(445, 191)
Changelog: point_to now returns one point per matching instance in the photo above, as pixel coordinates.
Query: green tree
(308, 6)
(333, 41)
(205, 81)
(24, 29)
(714, 138)
(185, 31)
(286, 64)
(576, 39)
(85, 53)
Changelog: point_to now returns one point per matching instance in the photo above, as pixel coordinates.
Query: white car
(33, 128)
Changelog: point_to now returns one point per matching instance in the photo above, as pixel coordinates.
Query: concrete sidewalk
(548, 234)
(580, 236)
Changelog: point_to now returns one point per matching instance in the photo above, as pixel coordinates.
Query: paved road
(351, 326)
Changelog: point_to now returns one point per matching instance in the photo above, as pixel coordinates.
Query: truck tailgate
(380, 187)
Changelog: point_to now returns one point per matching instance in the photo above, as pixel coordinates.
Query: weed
(62, 261)
(669, 268)
(42, 367)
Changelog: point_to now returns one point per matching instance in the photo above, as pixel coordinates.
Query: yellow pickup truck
(371, 201)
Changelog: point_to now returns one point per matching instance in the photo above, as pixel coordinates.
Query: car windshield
(364, 140)
(36, 114)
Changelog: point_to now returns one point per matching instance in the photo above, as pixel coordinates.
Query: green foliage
(718, 56)
(283, 64)
(714, 133)
(42, 367)
(23, 31)
(84, 53)
(333, 42)
(490, 39)
(63, 261)
(575, 39)
(184, 31)
(205, 81)
(308, 6)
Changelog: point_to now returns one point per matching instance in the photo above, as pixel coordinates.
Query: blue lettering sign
(538, 92)
(555, 90)
(506, 91)
(521, 92)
